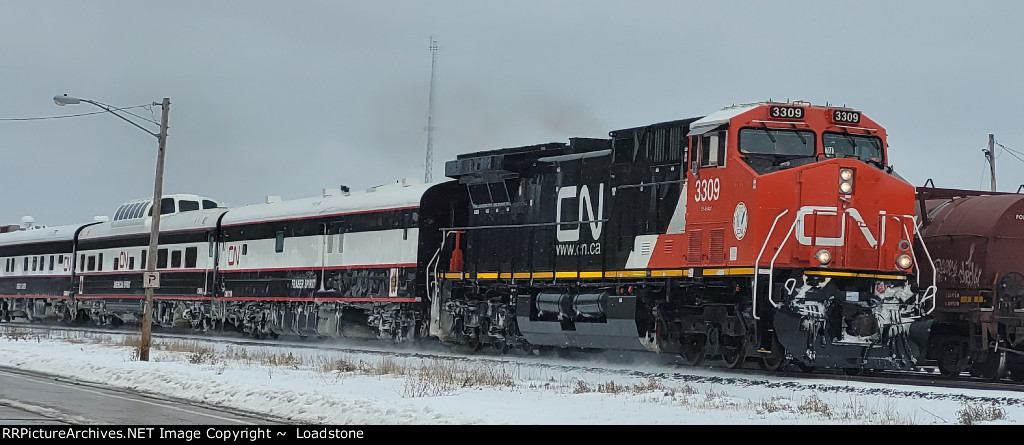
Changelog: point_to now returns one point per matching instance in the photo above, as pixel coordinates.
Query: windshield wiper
(801, 136)
(767, 132)
(853, 142)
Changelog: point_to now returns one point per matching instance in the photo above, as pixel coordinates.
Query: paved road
(31, 399)
(16, 416)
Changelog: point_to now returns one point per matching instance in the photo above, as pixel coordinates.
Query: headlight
(823, 256)
(846, 180)
(904, 261)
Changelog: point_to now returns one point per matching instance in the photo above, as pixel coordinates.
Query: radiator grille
(716, 249)
(693, 250)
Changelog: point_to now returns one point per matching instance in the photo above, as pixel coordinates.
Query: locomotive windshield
(771, 149)
(845, 145)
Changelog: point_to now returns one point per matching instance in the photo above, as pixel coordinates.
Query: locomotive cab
(812, 204)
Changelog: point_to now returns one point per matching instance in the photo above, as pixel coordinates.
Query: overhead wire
(1012, 152)
(1015, 153)
(981, 182)
(147, 106)
(1007, 148)
(48, 117)
(64, 116)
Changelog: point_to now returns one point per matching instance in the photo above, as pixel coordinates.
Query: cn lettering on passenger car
(232, 255)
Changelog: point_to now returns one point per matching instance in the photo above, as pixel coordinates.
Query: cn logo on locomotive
(586, 205)
(802, 237)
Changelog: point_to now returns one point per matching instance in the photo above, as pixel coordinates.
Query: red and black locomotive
(770, 231)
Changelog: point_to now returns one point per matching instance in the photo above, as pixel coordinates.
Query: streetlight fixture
(151, 280)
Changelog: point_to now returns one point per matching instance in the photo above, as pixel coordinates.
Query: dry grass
(340, 365)
(610, 387)
(854, 412)
(972, 413)
(442, 377)
(771, 405)
(814, 405)
(20, 334)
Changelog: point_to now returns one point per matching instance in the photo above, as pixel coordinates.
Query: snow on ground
(330, 387)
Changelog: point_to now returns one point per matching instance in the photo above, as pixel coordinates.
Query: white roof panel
(42, 234)
(204, 219)
(384, 197)
(717, 118)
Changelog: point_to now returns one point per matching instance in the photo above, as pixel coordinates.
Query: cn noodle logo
(814, 211)
(585, 203)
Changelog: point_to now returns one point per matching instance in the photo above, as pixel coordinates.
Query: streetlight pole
(154, 235)
(990, 154)
(151, 279)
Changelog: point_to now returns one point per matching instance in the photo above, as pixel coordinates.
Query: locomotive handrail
(757, 262)
(433, 289)
(432, 266)
(870, 130)
(933, 288)
(917, 267)
(929, 294)
(513, 226)
(771, 265)
(633, 186)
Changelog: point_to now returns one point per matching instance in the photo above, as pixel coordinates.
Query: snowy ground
(313, 386)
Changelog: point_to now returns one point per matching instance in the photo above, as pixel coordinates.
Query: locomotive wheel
(474, 341)
(500, 346)
(692, 349)
(953, 361)
(775, 361)
(529, 349)
(1017, 374)
(993, 368)
(81, 317)
(734, 352)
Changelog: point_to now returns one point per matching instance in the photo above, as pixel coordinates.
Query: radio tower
(430, 112)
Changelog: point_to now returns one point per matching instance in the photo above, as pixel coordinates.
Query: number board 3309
(846, 116)
(781, 112)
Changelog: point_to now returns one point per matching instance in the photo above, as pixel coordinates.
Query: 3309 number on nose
(849, 117)
(778, 112)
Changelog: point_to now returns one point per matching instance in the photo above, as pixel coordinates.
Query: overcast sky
(287, 98)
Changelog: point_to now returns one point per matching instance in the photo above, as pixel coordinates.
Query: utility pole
(154, 236)
(151, 278)
(991, 156)
(430, 113)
